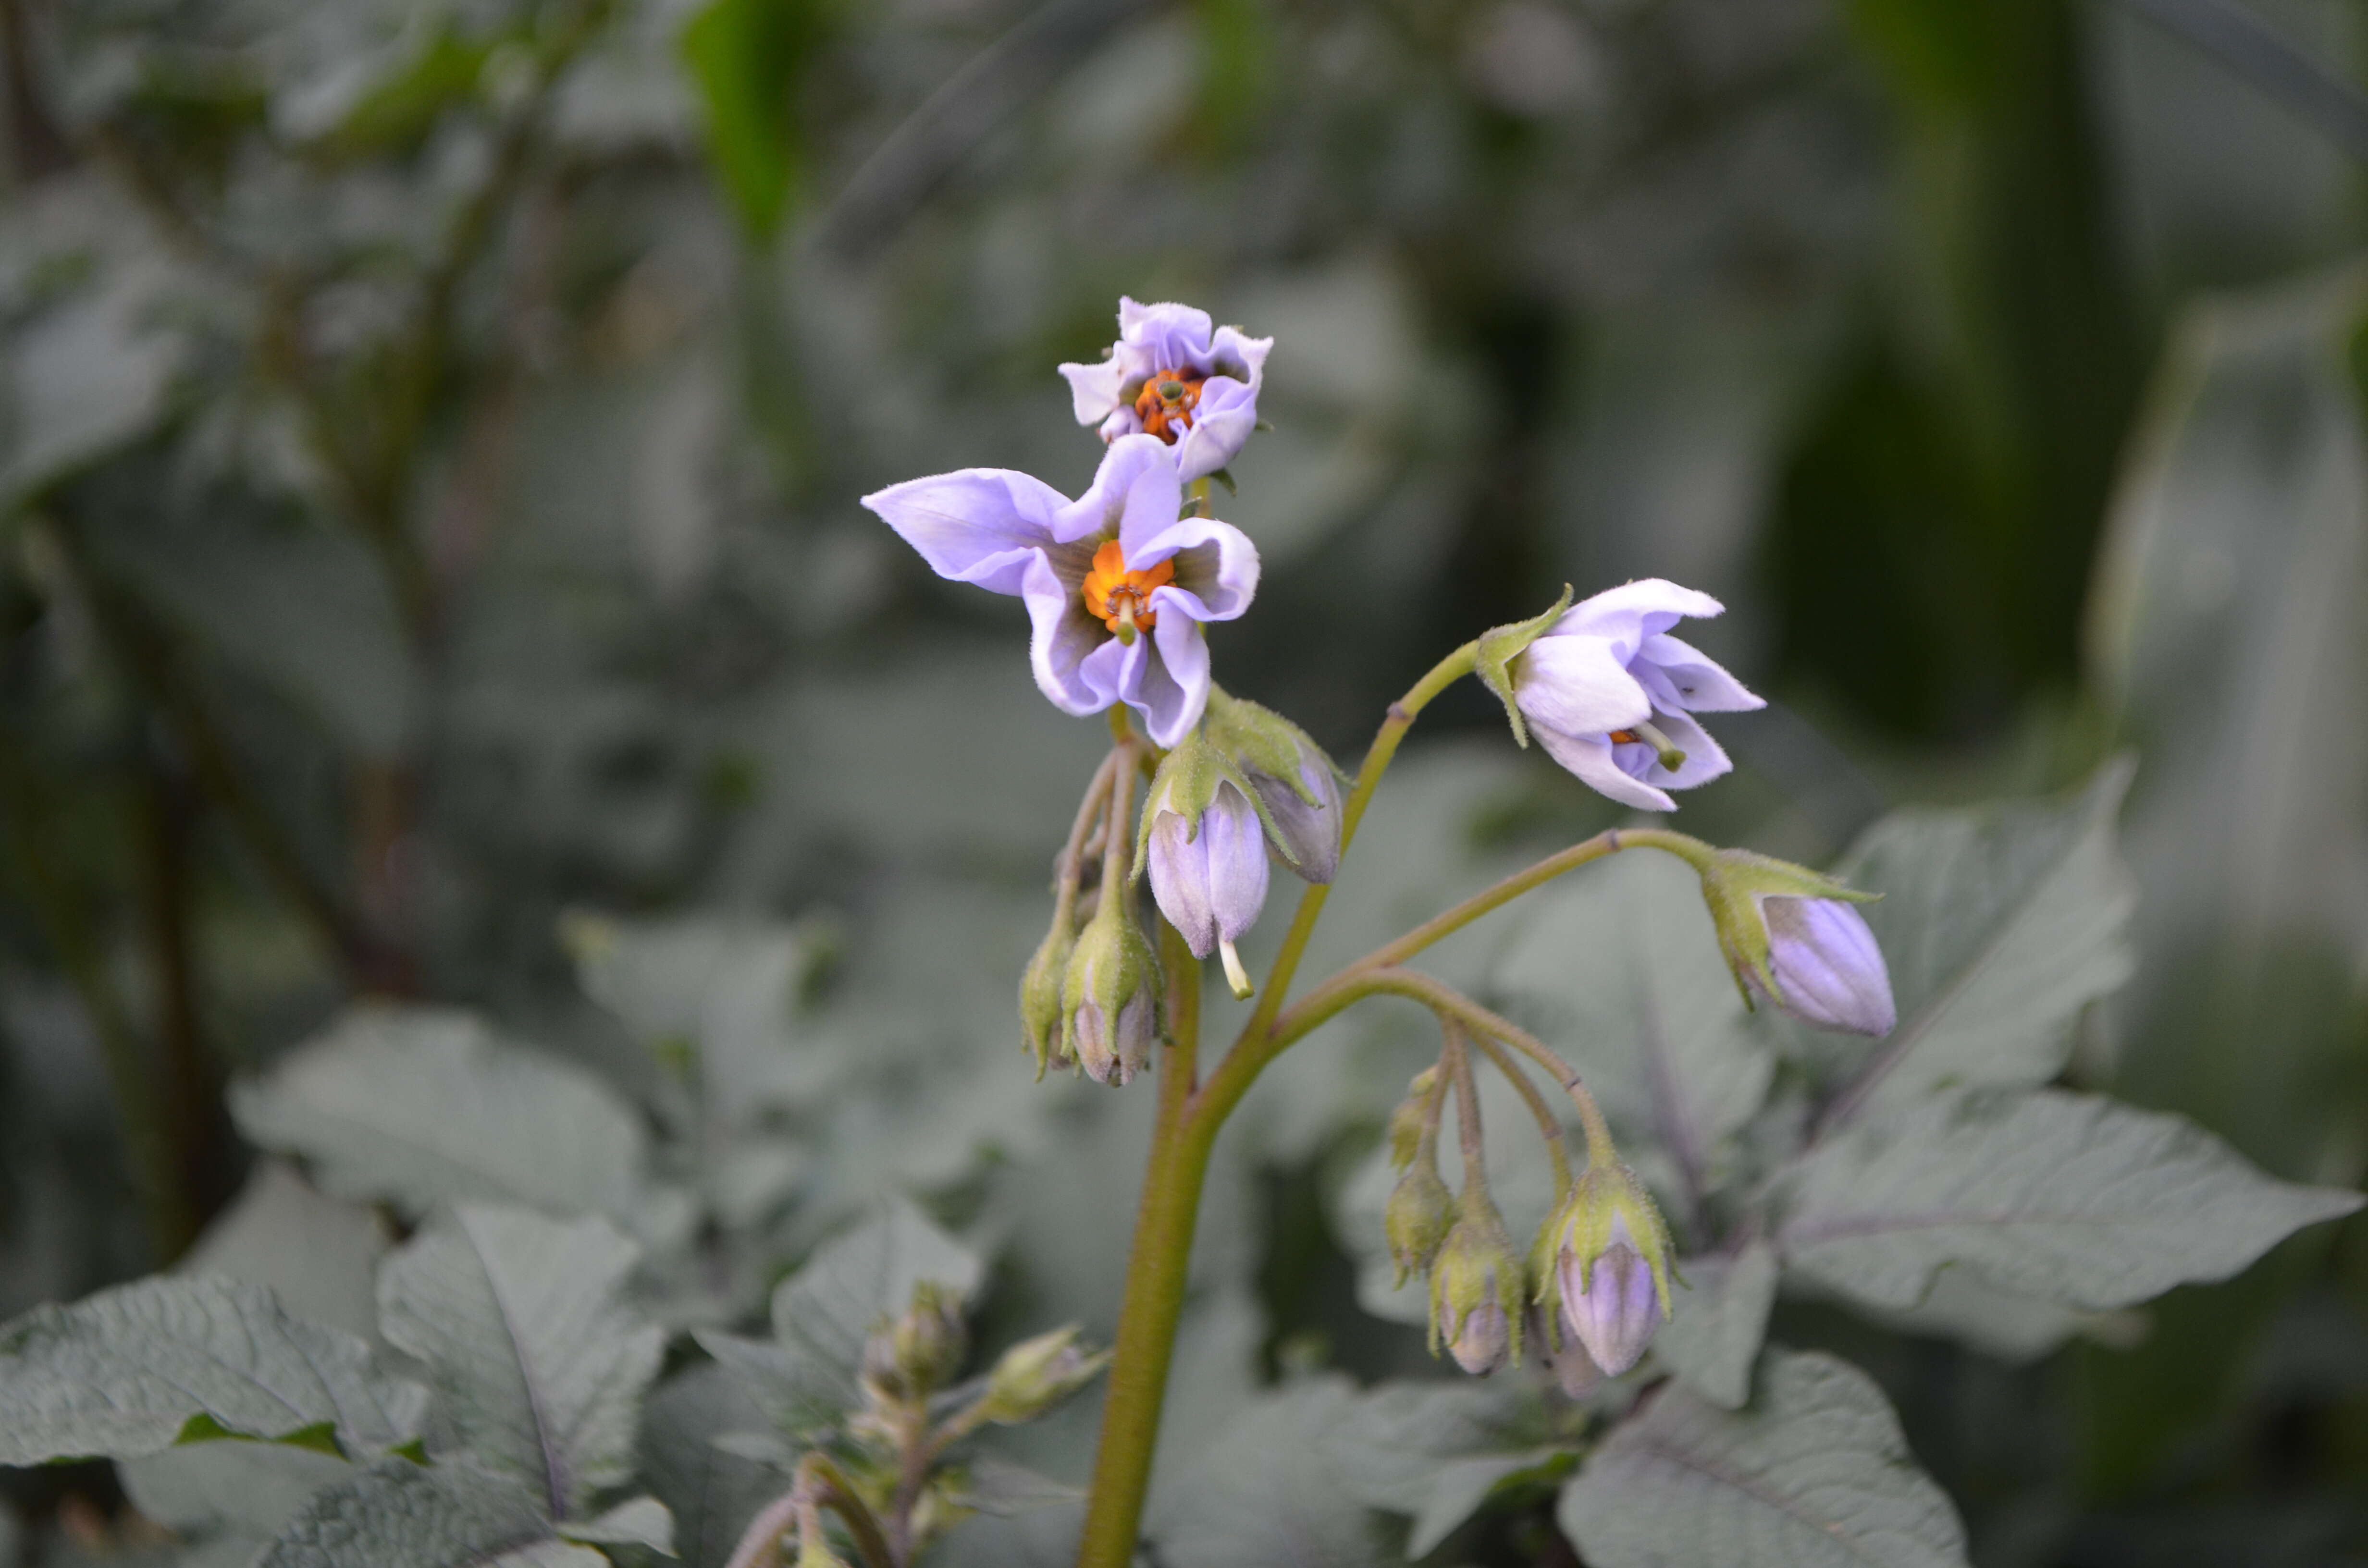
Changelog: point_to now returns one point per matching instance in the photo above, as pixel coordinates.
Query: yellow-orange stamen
(1166, 404)
(1120, 597)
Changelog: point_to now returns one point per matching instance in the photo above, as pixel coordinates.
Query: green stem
(1185, 1133)
(1549, 1129)
(1155, 1274)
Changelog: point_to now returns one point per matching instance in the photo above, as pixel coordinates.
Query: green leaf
(422, 1107)
(825, 1311)
(1714, 1332)
(122, 1373)
(539, 1372)
(317, 1255)
(2071, 1198)
(1813, 1474)
(249, 1489)
(639, 1521)
(1437, 1450)
(402, 1516)
(745, 56)
(711, 1491)
(2000, 925)
(1617, 966)
(725, 988)
(1266, 1492)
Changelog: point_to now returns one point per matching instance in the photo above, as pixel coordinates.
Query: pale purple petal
(1628, 614)
(1124, 422)
(1311, 830)
(1236, 861)
(1828, 965)
(1171, 689)
(1108, 667)
(1216, 568)
(1705, 759)
(1154, 495)
(1576, 685)
(1234, 354)
(1171, 335)
(1589, 758)
(1680, 676)
(1093, 390)
(1134, 464)
(974, 524)
(1614, 1307)
(1223, 421)
(1179, 866)
(1062, 637)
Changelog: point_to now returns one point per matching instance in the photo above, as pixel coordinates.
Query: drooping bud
(1109, 995)
(1612, 1267)
(1791, 937)
(1203, 843)
(1295, 782)
(1037, 1374)
(1477, 1285)
(1412, 1118)
(1564, 1358)
(1419, 1214)
(1040, 992)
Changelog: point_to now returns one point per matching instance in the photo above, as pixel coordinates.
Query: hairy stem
(1470, 1141)
(1155, 1275)
(1549, 1129)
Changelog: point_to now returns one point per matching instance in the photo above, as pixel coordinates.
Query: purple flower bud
(1479, 1345)
(1792, 936)
(1295, 783)
(1611, 1268)
(1111, 996)
(1611, 1302)
(1827, 968)
(1477, 1284)
(1208, 873)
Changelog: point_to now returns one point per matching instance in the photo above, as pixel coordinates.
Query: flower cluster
(1120, 585)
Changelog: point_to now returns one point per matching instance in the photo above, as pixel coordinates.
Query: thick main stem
(1155, 1273)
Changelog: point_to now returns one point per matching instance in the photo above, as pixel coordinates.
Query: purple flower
(1171, 376)
(1827, 969)
(1611, 1302)
(1208, 869)
(1609, 694)
(1117, 586)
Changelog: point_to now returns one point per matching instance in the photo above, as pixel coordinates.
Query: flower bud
(1295, 782)
(1791, 937)
(1416, 1221)
(1476, 1287)
(1037, 1374)
(1411, 1121)
(1612, 1267)
(1040, 994)
(1203, 843)
(922, 1349)
(1110, 996)
(1564, 1360)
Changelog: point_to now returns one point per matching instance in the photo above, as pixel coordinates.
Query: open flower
(1117, 586)
(1171, 375)
(1610, 694)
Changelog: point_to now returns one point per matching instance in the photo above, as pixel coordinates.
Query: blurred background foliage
(429, 569)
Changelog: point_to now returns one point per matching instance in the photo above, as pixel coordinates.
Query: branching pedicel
(1119, 586)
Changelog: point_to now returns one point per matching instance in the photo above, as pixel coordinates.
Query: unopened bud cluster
(1239, 791)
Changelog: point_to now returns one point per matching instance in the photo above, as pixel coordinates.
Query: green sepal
(1493, 663)
(1186, 783)
(1733, 883)
(1477, 1265)
(1263, 741)
(1583, 1225)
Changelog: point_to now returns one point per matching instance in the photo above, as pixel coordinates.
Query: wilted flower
(1294, 780)
(1109, 998)
(1117, 586)
(1171, 376)
(1610, 693)
(1610, 1270)
(1792, 936)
